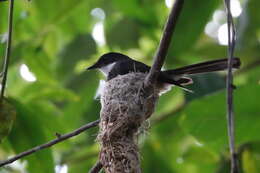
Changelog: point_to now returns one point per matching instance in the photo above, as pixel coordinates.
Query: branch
(229, 85)
(164, 43)
(8, 48)
(50, 143)
(96, 168)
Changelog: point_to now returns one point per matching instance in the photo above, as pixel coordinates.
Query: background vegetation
(53, 43)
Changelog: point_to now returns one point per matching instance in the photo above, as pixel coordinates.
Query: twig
(96, 168)
(8, 48)
(164, 43)
(50, 143)
(229, 83)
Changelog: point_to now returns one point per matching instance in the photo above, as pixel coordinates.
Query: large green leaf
(205, 84)
(47, 91)
(85, 85)
(250, 158)
(155, 157)
(135, 9)
(191, 23)
(28, 133)
(205, 119)
(7, 117)
(82, 47)
(120, 36)
(249, 33)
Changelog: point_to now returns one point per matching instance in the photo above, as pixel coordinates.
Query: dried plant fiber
(125, 107)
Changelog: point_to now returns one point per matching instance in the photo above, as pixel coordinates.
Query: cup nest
(125, 107)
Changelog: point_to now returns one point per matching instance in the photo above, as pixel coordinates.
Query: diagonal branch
(8, 48)
(50, 143)
(164, 43)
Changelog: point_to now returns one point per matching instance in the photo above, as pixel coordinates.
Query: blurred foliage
(55, 40)
(7, 117)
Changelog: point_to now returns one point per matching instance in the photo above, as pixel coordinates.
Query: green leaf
(85, 85)
(205, 84)
(28, 133)
(249, 156)
(81, 48)
(140, 11)
(120, 36)
(191, 23)
(7, 117)
(38, 62)
(249, 35)
(154, 157)
(205, 119)
(47, 91)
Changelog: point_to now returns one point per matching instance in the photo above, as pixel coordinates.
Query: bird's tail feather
(205, 67)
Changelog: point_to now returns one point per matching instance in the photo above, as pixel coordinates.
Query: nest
(125, 107)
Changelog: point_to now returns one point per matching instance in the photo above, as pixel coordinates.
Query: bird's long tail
(204, 67)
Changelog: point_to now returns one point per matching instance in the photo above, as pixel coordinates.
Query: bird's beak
(92, 67)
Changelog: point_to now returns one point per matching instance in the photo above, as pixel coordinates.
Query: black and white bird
(113, 64)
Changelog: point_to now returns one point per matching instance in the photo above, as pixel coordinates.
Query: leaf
(205, 84)
(120, 36)
(169, 101)
(50, 116)
(85, 85)
(154, 157)
(194, 16)
(7, 117)
(47, 91)
(249, 162)
(28, 133)
(39, 63)
(141, 11)
(205, 118)
(82, 47)
(249, 33)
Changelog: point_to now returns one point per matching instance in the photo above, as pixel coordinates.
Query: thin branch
(96, 168)
(164, 43)
(229, 83)
(50, 143)
(8, 48)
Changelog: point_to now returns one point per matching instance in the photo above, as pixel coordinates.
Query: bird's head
(108, 59)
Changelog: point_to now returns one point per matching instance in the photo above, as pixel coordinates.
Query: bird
(113, 64)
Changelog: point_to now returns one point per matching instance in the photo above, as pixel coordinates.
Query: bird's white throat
(106, 69)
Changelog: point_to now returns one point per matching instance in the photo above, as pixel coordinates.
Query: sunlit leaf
(193, 17)
(7, 117)
(82, 47)
(27, 133)
(205, 118)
